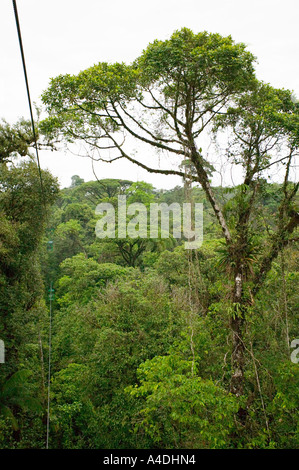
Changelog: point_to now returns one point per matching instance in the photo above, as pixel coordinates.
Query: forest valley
(153, 346)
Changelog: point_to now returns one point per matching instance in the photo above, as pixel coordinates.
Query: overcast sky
(66, 36)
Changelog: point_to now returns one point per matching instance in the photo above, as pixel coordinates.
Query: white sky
(66, 36)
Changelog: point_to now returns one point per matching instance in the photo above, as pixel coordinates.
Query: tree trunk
(236, 324)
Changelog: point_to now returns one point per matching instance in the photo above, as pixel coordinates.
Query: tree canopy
(168, 98)
(154, 345)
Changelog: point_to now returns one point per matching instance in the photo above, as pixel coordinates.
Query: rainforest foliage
(154, 345)
(141, 350)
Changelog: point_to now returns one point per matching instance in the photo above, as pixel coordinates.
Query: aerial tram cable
(51, 291)
(28, 95)
(51, 298)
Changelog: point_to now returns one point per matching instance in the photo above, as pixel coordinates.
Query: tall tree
(170, 98)
(23, 212)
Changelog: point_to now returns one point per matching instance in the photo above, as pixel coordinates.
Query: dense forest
(153, 346)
